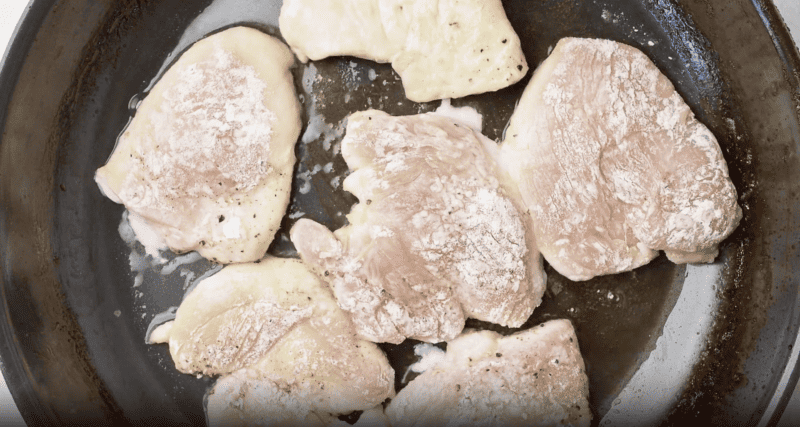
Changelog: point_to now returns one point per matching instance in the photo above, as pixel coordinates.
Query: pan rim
(12, 362)
(790, 57)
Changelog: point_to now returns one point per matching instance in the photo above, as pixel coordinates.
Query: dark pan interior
(73, 323)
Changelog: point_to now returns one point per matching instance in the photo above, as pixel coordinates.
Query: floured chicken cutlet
(438, 234)
(207, 159)
(532, 378)
(288, 354)
(614, 166)
(231, 319)
(440, 48)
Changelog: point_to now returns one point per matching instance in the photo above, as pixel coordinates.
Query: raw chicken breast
(438, 234)
(613, 165)
(207, 159)
(532, 378)
(440, 48)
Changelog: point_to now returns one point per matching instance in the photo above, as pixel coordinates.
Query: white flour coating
(476, 237)
(613, 165)
(470, 232)
(214, 126)
(436, 236)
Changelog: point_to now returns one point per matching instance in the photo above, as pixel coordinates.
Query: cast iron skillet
(73, 325)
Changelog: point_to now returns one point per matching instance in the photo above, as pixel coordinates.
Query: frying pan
(663, 344)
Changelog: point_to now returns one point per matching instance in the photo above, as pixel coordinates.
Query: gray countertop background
(10, 12)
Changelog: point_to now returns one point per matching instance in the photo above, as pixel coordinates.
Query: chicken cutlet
(286, 351)
(438, 234)
(613, 166)
(231, 319)
(531, 378)
(440, 48)
(207, 159)
(308, 378)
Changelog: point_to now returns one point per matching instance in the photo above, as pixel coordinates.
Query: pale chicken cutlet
(531, 378)
(286, 352)
(613, 165)
(440, 48)
(438, 234)
(207, 159)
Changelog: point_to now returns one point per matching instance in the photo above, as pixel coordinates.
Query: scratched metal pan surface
(663, 345)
